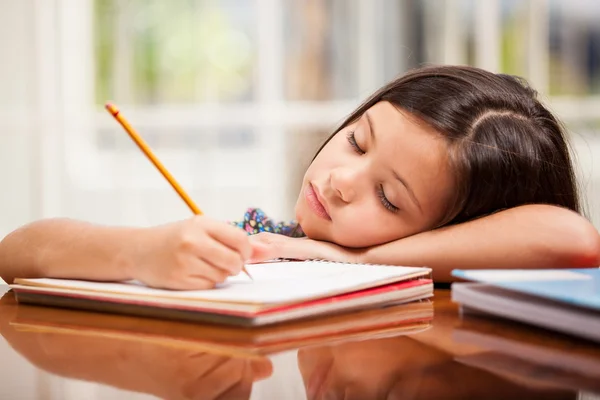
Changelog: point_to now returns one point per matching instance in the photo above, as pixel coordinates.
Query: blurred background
(236, 95)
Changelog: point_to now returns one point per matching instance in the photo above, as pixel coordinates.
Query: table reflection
(404, 368)
(165, 371)
(178, 360)
(392, 353)
(524, 352)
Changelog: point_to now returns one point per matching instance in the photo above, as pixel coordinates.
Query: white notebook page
(274, 282)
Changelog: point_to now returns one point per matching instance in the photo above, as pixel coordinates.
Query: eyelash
(380, 193)
(352, 141)
(384, 201)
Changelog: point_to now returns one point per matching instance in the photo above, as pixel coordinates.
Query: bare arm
(68, 249)
(194, 253)
(532, 236)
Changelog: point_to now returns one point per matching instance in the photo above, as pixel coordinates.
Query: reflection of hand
(185, 374)
(163, 371)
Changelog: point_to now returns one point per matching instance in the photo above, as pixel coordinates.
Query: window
(236, 95)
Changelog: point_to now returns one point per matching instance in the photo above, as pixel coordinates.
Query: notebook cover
(129, 306)
(577, 287)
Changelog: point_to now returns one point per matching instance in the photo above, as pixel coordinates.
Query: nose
(344, 183)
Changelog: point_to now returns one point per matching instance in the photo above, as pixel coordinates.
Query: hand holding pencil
(202, 252)
(192, 254)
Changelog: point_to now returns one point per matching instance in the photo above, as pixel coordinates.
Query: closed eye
(352, 141)
(384, 200)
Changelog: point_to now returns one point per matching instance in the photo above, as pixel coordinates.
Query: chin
(312, 231)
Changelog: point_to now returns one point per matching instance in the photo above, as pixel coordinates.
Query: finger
(269, 246)
(205, 270)
(225, 377)
(220, 256)
(190, 282)
(199, 365)
(262, 368)
(260, 252)
(231, 237)
(243, 388)
(203, 363)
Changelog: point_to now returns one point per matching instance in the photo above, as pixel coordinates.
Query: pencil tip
(247, 273)
(112, 109)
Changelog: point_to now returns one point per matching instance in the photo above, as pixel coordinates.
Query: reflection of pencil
(148, 152)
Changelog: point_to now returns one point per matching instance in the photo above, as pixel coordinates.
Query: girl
(444, 167)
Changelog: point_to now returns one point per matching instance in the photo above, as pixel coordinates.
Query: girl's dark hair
(505, 147)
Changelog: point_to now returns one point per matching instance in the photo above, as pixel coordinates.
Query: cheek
(331, 155)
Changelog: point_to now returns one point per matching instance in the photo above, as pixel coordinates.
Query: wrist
(134, 245)
(405, 252)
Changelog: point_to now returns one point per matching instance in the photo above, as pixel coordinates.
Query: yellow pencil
(148, 152)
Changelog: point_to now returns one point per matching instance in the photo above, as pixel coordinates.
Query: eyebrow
(408, 189)
(398, 177)
(370, 123)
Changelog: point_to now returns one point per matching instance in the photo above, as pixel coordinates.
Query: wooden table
(51, 353)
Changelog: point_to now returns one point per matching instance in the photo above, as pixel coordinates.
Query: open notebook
(280, 291)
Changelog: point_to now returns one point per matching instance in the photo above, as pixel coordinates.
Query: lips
(316, 202)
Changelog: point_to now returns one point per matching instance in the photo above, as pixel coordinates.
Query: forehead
(402, 134)
(413, 149)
